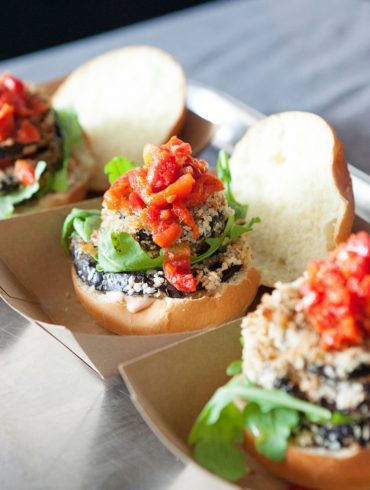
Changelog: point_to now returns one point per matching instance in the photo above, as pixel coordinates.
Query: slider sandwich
(45, 160)
(300, 400)
(168, 252)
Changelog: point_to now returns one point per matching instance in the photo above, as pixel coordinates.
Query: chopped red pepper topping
(160, 194)
(17, 106)
(176, 268)
(27, 132)
(24, 172)
(7, 123)
(336, 294)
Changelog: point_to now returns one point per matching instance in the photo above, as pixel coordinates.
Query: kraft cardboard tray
(35, 277)
(35, 271)
(169, 391)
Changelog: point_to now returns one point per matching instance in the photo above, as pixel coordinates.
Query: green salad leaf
(71, 135)
(234, 368)
(120, 252)
(224, 174)
(271, 415)
(8, 201)
(231, 232)
(271, 429)
(216, 446)
(85, 226)
(80, 221)
(117, 167)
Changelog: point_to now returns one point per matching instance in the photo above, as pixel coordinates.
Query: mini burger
(169, 250)
(300, 397)
(44, 160)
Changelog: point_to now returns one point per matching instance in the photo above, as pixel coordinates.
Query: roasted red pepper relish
(161, 194)
(17, 106)
(336, 294)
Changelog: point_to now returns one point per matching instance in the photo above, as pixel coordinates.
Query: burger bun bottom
(169, 315)
(316, 468)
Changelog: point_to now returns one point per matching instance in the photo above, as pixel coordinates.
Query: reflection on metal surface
(62, 427)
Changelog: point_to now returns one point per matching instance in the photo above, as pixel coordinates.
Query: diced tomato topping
(166, 234)
(6, 121)
(37, 106)
(135, 202)
(178, 190)
(205, 186)
(179, 148)
(13, 85)
(163, 167)
(24, 172)
(27, 133)
(184, 216)
(162, 194)
(176, 268)
(116, 197)
(17, 106)
(336, 294)
(137, 180)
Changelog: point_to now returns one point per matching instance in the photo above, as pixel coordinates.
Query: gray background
(63, 428)
(274, 55)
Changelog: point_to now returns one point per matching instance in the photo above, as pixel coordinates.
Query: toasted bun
(78, 183)
(125, 99)
(347, 469)
(290, 168)
(170, 315)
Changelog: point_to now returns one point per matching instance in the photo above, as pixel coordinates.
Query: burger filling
(210, 274)
(35, 144)
(305, 374)
(165, 229)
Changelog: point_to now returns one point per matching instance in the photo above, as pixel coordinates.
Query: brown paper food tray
(35, 277)
(35, 280)
(170, 387)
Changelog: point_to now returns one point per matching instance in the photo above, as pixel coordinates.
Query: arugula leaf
(117, 167)
(234, 367)
(271, 429)
(85, 226)
(215, 445)
(267, 399)
(120, 252)
(224, 174)
(71, 135)
(8, 201)
(340, 419)
(81, 221)
(271, 415)
(231, 232)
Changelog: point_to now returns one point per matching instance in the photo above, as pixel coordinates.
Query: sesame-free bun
(169, 315)
(346, 469)
(124, 99)
(290, 168)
